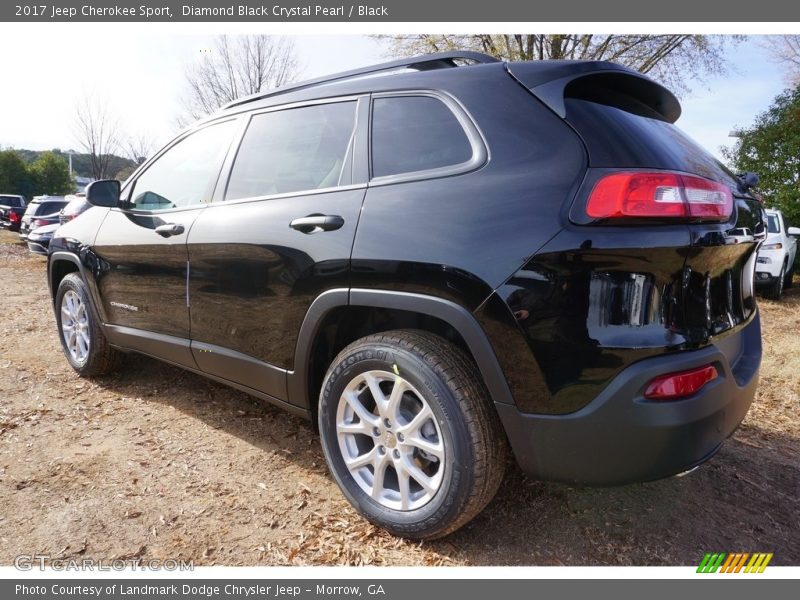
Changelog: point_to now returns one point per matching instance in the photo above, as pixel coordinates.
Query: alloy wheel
(390, 441)
(75, 326)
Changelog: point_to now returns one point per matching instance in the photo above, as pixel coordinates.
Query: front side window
(184, 174)
(293, 150)
(415, 133)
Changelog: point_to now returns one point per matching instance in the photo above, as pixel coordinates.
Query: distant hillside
(81, 163)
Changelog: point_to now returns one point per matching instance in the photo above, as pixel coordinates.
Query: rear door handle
(317, 223)
(169, 229)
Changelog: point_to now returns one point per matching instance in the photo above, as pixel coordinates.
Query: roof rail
(425, 62)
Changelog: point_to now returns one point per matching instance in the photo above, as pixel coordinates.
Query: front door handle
(316, 223)
(169, 229)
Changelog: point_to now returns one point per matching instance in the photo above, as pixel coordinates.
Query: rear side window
(415, 133)
(293, 150)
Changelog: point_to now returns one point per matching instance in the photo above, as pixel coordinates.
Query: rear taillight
(13, 217)
(659, 195)
(673, 386)
(39, 223)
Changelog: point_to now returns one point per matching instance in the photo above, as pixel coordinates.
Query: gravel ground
(156, 462)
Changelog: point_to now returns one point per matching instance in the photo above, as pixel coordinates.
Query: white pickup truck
(775, 262)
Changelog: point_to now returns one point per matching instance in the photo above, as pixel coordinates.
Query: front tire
(85, 346)
(409, 433)
(788, 281)
(775, 290)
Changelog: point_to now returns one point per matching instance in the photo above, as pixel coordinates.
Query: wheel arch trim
(451, 313)
(63, 256)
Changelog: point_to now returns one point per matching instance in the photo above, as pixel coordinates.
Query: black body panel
(435, 236)
(567, 319)
(253, 277)
(143, 283)
(619, 437)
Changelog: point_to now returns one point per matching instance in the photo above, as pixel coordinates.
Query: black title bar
(390, 11)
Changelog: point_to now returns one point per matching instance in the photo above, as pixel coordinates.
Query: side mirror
(104, 192)
(793, 231)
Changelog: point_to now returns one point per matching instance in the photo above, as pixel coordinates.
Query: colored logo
(735, 562)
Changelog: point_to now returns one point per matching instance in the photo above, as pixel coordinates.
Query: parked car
(76, 206)
(39, 238)
(43, 210)
(436, 265)
(739, 235)
(776, 257)
(12, 207)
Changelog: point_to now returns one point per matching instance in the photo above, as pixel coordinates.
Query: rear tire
(85, 346)
(419, 462)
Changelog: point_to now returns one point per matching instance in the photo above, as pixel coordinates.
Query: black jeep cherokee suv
(434, 265)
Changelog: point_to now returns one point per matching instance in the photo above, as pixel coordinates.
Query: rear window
(415, 133)
(11, 201)
(750, 216)
(48, 208)
(617, 138)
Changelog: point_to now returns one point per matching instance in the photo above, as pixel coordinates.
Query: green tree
(771, 148)
(51, 174)
(15, 176)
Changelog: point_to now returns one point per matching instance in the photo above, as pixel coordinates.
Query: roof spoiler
(553, 82)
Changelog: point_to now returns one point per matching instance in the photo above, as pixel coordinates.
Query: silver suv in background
(38, 211)
(775, 262)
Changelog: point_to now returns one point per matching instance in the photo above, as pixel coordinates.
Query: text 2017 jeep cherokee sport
(434, 265)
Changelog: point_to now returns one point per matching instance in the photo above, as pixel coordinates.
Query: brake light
(659, 195)
(39, 223)
(673, 386)
(14, 217)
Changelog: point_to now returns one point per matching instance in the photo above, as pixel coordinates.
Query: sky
(141, 74)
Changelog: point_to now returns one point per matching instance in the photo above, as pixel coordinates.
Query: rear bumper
(619, 437)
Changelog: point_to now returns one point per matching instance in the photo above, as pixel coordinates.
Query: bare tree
(97, 132)
(785, 49)
(237, 66)
(671, 59)
(138, 148)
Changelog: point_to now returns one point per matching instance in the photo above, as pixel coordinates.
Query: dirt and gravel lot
(156, 462)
